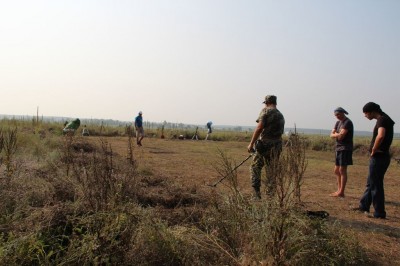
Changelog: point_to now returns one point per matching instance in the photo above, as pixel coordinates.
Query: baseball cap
(270, 99)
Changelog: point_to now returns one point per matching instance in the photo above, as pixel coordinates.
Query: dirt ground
(190, 163)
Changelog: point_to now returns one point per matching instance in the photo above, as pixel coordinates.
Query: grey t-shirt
(346, 144)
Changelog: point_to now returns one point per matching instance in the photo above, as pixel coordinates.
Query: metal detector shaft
(237, 166)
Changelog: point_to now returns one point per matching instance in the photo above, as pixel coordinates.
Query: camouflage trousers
(268, 159)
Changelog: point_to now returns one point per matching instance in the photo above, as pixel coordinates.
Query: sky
(193, 61)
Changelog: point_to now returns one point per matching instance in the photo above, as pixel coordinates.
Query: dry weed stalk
(9, 143)
(98, 179)
(100, 182)
(68, 156)
(1, 145)
(290, 169)
(229, 225)
(102, 128)
(269, 225)
(226, 170)
(130, 156)
(298, 163)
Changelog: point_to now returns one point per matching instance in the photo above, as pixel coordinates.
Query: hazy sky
(193, 61)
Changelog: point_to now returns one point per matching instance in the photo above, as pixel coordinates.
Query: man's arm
(256, 134)
(339, 135)
(378, 140)
(333, 132)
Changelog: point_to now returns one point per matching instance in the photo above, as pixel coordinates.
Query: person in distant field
(342, 132)
(196, 136)
(71, 127)
(209, 130)
(85, 131)
(139, 128)
(379, 161)
(267, 139)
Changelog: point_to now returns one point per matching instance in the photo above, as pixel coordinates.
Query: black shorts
(344, 158)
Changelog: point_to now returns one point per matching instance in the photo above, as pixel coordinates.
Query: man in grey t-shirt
(343, 132)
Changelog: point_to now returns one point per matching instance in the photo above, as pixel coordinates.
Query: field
(63, 204)
(190, 163)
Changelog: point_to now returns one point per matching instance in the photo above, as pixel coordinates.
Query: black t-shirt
(387, 123)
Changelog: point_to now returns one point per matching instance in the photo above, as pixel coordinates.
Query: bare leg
(343, 180)
(140, 141)
(139, 138)
(338, 181)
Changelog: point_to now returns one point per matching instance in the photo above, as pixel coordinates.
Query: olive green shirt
(273, 122)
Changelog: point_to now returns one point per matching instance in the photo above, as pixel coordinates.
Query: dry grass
(100, 200)
(190, 163)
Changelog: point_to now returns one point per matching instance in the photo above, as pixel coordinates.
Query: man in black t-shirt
(379, 160)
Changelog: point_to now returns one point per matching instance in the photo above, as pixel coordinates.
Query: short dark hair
(372, 107)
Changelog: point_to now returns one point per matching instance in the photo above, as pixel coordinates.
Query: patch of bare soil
(189, 164)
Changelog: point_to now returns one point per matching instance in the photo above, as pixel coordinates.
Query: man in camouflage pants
(267, 138)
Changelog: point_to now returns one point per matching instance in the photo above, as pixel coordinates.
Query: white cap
(140, 112)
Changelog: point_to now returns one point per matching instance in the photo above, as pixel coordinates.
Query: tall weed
(9, 145)
(276, 230)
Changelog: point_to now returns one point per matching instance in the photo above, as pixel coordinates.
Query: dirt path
(191, 164)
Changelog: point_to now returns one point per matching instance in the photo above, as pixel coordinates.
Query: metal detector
(237, 166)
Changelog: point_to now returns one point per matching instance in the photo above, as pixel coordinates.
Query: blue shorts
(344, 158)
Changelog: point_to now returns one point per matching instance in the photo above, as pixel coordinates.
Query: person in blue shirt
(209, 130)
(139, 128)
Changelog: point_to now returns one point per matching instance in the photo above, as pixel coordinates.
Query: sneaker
(358, 209)
(256, 194)
(255, 198)
(379, 216)
(375, 216)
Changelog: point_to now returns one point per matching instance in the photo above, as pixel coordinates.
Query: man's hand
(250, 148)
